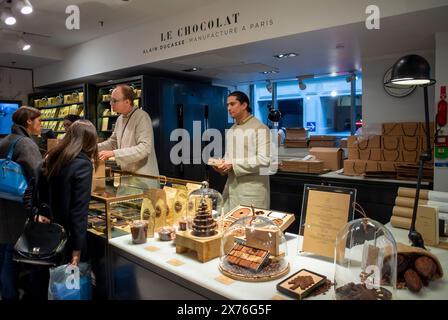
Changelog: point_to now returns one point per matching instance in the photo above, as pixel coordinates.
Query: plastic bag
(69, 282)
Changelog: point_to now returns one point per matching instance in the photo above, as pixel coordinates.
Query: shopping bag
(69, 282)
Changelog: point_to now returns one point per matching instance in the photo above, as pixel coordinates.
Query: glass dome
(365, 262)
(204, 199)
(253, 248)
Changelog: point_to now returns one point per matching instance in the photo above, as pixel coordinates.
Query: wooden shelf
(111, 116)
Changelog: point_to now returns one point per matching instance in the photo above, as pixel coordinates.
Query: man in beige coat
(247, 157)
(132, 142)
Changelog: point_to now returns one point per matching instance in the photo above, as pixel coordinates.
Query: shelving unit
(55, 104)
(105, 118)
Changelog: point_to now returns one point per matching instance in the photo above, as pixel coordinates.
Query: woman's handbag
(12, 180)
(41, 243)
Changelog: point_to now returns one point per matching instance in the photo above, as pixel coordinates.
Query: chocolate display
(139, 229)
(301, 284)
(352, 291)
(247, 257)
(203, 223)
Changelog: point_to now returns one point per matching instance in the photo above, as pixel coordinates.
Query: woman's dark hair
(25, 113)
(80, 137)
(127, 91)
(242, 98)
(72, 117)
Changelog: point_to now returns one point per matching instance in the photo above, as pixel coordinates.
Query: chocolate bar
(247, 257)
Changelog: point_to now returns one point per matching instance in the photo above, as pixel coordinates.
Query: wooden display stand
(206, 248)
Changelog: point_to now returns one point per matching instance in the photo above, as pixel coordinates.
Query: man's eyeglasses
(114, 101)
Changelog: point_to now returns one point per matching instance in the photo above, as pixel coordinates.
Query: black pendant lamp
(414, 70)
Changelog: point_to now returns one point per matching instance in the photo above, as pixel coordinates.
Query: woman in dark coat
(68, 169)
(26, 122)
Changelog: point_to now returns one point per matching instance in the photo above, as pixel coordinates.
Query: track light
(24, 6)
(23, 45)
(302, 85)
(7, 17)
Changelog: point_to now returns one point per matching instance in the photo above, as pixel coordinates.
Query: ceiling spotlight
(302, 85)
(334, 74)
(7, 17)
(334, 93)
(286, 55)
(269, 86)
(269, 72)
(25, 46)
(191, 69)
(24, 6)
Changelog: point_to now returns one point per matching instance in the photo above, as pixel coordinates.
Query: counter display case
(118, 201)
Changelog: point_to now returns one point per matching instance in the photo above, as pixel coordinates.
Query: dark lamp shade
(411, 70)
(274, 115)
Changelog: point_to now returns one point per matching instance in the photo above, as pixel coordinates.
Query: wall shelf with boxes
(55, 104)
(105, 116)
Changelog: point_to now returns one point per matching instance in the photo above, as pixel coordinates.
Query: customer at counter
(247, 154)
(26, 122)
(69, 120)
(66, 186)
(132, 142)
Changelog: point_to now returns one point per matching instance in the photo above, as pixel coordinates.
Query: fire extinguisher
(442, 108)
(441, 140)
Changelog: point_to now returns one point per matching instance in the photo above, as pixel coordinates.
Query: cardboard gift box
(296, 133)
(366, 142)
(410, 143)
(392, 155)
(353, 154)
(391, 142)
(359, 167)
(410, 156)
(387, 166)
(322, 143)
(332, 157)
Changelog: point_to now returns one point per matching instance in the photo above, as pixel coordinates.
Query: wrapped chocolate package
(148, 210)
(171, 194)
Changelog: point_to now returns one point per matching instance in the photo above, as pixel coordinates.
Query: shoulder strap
(12, 146)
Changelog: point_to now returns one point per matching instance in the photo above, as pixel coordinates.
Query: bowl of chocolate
(139, 231)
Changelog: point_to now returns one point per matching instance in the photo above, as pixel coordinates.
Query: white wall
(441, 174)
(126, 48)
(379, 107)
(15, 84)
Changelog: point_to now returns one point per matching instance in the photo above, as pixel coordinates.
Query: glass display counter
(119, 200)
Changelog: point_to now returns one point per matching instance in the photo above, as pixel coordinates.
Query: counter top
(205, 274)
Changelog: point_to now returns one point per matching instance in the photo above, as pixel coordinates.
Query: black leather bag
(40, 243)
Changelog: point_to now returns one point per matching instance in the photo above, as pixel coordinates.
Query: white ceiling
(241, 64)
(49, 18)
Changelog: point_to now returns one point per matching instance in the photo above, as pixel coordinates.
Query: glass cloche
(204, 211)
(365, 262)
(253, 248)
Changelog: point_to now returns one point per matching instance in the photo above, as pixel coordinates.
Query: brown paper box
(427, 223)
(411, 129)
(353, 154)
(322, 138)
(422, 131)
(332, 157)
(410, 143)
(343, 143)
(392, 155)
(352, 142)
(392, 129)
(387, 166)
(369, 142)
(376, 154)
(264, 239)
(391, 142)
(410, 156)
(364, 154)
(322, 143)
(359, 167)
